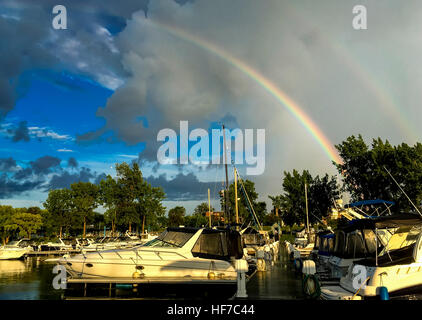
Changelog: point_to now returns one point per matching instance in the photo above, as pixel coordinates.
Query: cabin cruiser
(396, 267)
(57, 245)
(355, 241)
(323, 248)
(15, 249)
(175, 253)
(253, 240)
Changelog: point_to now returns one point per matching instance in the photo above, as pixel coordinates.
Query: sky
(76, 101)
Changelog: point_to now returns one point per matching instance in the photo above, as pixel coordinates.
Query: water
(32, 278)
(29, 279)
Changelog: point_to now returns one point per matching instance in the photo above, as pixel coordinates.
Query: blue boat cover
(368, 202)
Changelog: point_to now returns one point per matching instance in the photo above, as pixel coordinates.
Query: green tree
(84, 199)
(7, 225)
(198, 218)
(176, 216)
(292, 202)
(27, 223)
(59, 205)
(129, 179)
(364, 176)
(109, 195)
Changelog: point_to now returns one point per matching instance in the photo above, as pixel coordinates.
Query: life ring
(311, 287)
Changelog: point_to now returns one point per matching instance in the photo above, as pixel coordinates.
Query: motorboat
(323, 248)
(176, 253)
(355, 241)
(15, 250)
(57, 245)
(397, 267)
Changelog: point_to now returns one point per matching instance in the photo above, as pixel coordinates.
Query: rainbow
(264, 82)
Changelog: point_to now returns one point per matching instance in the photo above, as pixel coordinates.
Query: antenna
(402, 190)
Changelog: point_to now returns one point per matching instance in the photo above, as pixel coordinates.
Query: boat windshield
(173, 238)
(403, 237)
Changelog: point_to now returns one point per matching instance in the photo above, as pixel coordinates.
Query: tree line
(363, 176)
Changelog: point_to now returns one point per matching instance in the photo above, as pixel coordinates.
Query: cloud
(182, 187)
(64, 179)
(10, 188)
(20, 133)
(8, 165)
(72, 162)
(45, 165)
(86, 47)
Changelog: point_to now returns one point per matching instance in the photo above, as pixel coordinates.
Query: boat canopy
(218, 244)
(368, 202)
(394, 221)
(252, 237)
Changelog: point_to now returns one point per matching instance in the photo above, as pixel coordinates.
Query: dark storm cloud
(44, 165)
(10, 187)
(65, 179)
(7, 164)
(21, 133)
(72, 162)
(182, 187)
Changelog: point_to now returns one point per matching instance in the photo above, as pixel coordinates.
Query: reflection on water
(28, 279)
(280, 282)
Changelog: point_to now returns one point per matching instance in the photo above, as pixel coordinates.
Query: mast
(209, 207)
(226, 200)
(306, 204)
(235, 198)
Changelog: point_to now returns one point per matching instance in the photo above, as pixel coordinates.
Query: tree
(27, 223)
(132, 187)
(292, 202)
(150, 205)
(109, 192)
(364, 175)
(7, 225)
(59, 205)
(176, 216)
(198, 218)
(84, 197)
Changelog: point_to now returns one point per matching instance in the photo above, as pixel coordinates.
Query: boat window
(170, 239)
(371, 241)
(403, 237)
(253, 239)
(330, 244)
(340, 243)
(355, 247)
(210, 245)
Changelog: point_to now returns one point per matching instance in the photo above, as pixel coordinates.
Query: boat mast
(209, 207)
(226, 200)
(306, 205)
(235, 198)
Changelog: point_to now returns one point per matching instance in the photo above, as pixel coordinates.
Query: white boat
(397, 267)
(15, 250)
(58, 245)
(176, 253)
(354, 242)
